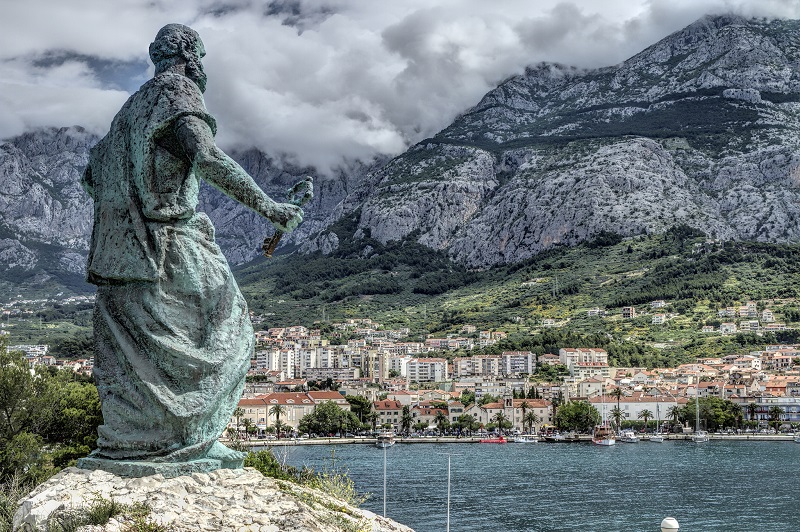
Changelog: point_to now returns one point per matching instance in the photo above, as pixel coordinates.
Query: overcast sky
(320, 81)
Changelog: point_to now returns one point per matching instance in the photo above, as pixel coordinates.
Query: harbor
(573, 438)
(724, 484)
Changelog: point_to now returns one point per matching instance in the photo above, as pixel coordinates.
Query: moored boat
(525, 438)
(699, 436)
(657, 437)
(628, 436)
(384, 440)
(603, 435)
(494, 439)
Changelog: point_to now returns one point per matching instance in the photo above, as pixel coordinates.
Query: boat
(699, 436)
(657, 437)
(603, 434)
(494, 439)
(384, 440)
(797, 439)
(628, 436)
(525, 438)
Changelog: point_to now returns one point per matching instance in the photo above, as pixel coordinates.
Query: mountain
(699, 129)
(46, 217)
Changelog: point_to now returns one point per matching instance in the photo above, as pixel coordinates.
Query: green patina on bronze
(173, 338)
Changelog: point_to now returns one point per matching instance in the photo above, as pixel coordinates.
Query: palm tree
(645, 414)
(736, 412)
(617, 414)
(673, 412)
(530, 419)
(406, 419)
(276, 411)
(467, 422)
(248, 425)
(441, 421)
(751, 411)
(238, 413)
(500, 418)
(617, 392)
(775, 416)
(524, 406)
(372, 419)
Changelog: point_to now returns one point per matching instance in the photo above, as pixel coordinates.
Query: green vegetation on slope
(404, 284)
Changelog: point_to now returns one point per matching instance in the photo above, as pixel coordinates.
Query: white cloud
(321, 82)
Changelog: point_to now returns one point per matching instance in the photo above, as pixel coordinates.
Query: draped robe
(173, 338)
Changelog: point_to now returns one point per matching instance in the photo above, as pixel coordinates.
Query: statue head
(178, 44)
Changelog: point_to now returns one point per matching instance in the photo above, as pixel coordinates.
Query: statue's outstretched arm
(211, 164)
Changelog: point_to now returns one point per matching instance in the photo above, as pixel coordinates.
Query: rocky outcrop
(223, 500)
(701, 128)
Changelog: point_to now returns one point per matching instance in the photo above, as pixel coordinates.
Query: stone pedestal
(223, 500)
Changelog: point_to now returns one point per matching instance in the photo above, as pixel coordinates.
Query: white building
(427, 370)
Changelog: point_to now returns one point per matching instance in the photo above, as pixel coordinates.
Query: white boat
(699, 436)
(384, 440)
(628, 436)
(797, 439)
(525, 438)
(657, 437)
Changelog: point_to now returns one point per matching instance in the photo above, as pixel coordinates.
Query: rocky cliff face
(701, 128)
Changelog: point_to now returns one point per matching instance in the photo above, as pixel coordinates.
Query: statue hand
(285, 216)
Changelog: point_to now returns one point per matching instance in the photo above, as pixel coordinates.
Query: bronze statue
(173, 338)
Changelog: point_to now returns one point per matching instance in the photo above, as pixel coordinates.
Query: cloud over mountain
(319, 83)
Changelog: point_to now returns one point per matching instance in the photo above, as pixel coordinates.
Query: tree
(324, 419)
(16, 392)
(524, 406)
(360, 406)
(249, 427)
(577, 415)
(673, 413)
(751, 411)
(488, 398)
(738, 414)
(501, 421)
(775, 414)
(442, 423)
(276, 411)
(238, 413)
(406, 419)
(372, 419)
(616, 392)
(645, 414)
(617, 414)
(467, 397)
(530, 419)
(467, 422)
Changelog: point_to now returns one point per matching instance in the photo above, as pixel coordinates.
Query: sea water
(715, 486)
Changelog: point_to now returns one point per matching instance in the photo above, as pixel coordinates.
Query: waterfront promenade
(580, 438)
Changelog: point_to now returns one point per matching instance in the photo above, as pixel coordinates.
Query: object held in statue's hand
(299, 195)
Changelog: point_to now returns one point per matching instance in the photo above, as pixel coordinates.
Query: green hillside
(407, 285)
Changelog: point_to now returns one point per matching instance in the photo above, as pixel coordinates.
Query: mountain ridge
(700, 128)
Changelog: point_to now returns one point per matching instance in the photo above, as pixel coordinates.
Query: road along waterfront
(713, 487)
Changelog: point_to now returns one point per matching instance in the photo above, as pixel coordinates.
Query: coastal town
(448, 384)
